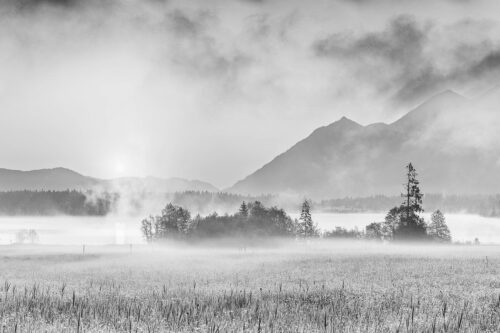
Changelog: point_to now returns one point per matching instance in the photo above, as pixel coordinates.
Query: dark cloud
(399, 49)
(187, 25)
(27, 5)
(402, 42)
(405, 62)
(357, 1)
(50, 2)
(255, 1)
(197, 50)
(490, 63)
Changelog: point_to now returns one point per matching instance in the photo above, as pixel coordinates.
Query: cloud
(193, 48)
(410, 60)
(255, 1)
(489, 63)
(27, 6)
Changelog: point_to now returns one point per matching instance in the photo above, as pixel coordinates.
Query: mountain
(152, 184)
(62, 179)
(446, 138)
(48, 179)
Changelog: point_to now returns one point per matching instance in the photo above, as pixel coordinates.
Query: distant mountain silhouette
(62, 179)
(347, 159)
(153, 184)
(44, 179)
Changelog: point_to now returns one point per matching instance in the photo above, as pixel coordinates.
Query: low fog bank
(326, 247)
(233, 249)
(71, 230)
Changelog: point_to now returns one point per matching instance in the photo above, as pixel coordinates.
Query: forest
(483, 205)
(90, 203)
(68, 202)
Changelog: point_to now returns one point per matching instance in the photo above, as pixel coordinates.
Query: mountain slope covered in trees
(442, 136)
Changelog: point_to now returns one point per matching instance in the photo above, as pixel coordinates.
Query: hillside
(348, 159)
(45, 179)
(62, 179)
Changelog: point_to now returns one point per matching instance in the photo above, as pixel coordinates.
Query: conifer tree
(243, 209)
(308, 229)
(438, 230)
(411, 225)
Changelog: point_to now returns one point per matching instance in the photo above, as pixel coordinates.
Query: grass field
(290, 287)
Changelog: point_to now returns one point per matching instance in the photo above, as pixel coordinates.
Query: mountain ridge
(345, 158)
(60, 178)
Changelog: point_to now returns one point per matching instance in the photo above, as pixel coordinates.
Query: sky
(213, 89)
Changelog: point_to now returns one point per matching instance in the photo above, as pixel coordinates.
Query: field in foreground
(320, 287)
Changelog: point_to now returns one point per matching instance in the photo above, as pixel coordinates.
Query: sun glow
(118, 167)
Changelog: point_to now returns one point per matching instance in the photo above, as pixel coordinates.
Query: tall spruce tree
(308, 229)
(411, 225)
(243, 209)
(438, 230)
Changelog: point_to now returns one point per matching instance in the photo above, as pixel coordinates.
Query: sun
(119, 167)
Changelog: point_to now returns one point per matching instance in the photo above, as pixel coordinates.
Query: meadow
(322, 286)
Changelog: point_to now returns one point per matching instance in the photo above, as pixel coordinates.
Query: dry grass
(294, 288)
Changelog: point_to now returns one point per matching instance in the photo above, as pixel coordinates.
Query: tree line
(56, 202)
(203, 202)
(402, 223)
(480, 204)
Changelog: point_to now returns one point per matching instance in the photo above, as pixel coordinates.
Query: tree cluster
(251, 220)
(404, 223)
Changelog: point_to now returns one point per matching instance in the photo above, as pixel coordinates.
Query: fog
(225, 256)
(63, 230)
